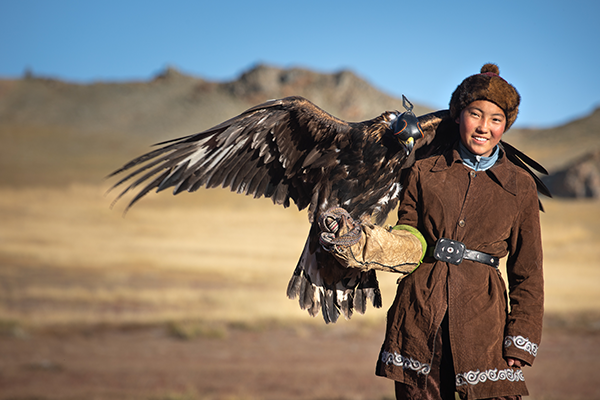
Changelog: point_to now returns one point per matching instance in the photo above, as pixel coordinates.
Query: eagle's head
(406, 128)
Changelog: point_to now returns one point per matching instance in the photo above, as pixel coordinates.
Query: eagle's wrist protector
(362, 245)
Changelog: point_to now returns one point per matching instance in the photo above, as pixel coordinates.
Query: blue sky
(550, 50)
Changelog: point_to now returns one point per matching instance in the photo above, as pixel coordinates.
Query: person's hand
(515, 362)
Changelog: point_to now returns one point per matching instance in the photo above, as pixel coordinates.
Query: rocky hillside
(580, 179)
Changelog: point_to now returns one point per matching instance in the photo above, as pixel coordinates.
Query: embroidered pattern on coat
(475, 377)
(521, 343)
(405, 362)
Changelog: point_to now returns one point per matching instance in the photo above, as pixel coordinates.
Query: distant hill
(55, 133)
(176, 104)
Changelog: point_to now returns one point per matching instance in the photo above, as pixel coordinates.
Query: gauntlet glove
(362, 245)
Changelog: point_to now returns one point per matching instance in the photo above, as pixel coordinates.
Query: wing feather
(174, 177)
(516, 159)
(254, 180)
(147, 188)
(510, 149)
(261, 186)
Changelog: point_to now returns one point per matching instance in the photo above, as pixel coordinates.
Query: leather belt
(454, 252)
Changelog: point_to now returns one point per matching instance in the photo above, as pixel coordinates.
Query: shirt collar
(475, 162)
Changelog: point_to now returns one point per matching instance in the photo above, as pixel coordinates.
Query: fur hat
(487, 85)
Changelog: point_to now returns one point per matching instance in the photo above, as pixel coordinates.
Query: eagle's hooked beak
(408, 144)
(407, 130)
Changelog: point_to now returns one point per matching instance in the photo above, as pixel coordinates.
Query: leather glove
(362, 245)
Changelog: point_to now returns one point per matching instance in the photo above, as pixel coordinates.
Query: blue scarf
(475, 162)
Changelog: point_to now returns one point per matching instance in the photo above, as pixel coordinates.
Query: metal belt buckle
(447, 250)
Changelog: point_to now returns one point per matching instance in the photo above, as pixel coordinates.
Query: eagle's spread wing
(290, 149)
(283, 149)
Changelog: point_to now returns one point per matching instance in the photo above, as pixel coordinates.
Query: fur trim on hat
(487, 85)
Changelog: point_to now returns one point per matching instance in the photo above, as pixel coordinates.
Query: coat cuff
(520, 347)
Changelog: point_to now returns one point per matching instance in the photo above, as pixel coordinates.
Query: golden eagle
(290, 149)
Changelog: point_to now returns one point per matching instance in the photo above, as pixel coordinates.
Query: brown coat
(493, 211)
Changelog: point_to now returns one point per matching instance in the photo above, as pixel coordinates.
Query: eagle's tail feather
(304, 287)
(294, 285)
(342, 297)
(347, 303)
(331, 311)
(360, 301)
(368, 289)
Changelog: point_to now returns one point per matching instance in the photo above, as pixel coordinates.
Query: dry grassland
(67, 259)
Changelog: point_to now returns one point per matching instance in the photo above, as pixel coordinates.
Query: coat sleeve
(408, 211)
(525, 279)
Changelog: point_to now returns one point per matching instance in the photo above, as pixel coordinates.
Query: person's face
(481, 126)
